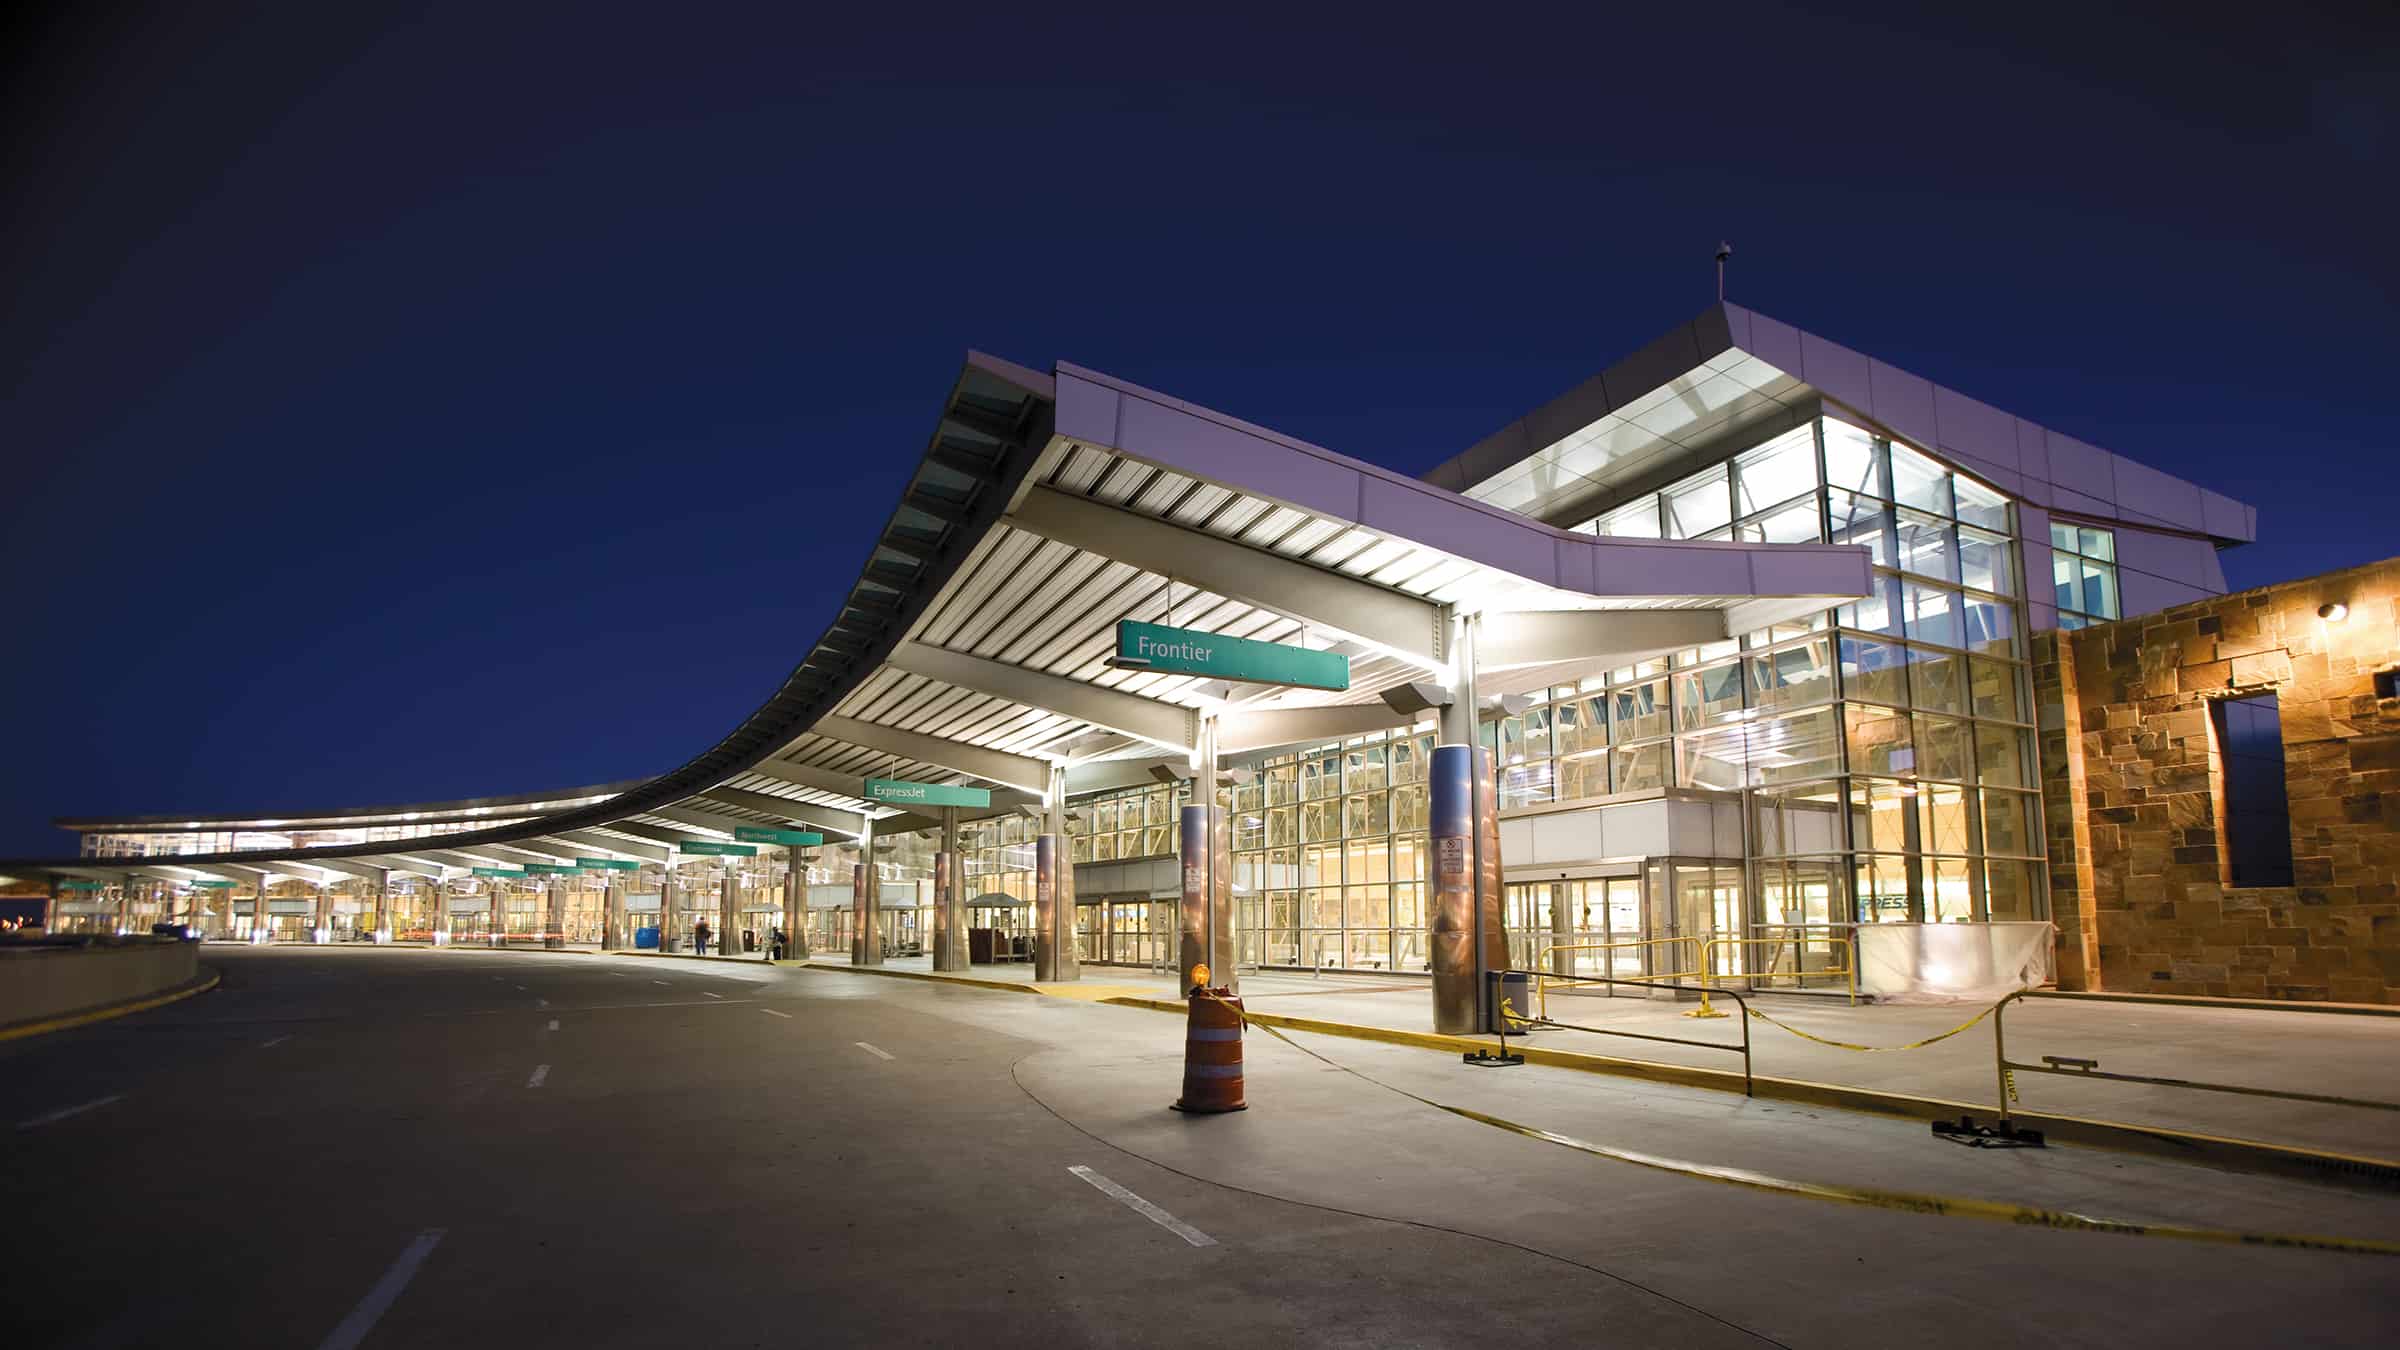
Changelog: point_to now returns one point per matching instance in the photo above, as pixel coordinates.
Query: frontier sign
(1183, 651)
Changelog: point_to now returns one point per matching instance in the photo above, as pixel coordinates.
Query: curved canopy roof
(975, 646)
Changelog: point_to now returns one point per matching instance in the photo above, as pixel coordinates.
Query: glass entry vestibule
(1668, 919)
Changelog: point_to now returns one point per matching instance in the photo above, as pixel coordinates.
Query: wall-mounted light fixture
(2333, 611)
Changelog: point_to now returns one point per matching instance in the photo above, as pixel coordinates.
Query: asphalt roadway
(464, 1149)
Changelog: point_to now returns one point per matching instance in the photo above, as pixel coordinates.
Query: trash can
(645, 939)
(1516, 987)
(749, 939)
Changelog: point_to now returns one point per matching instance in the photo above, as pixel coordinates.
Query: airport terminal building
(1748, 624)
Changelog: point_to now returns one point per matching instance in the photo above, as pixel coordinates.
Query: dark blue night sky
(477, 398)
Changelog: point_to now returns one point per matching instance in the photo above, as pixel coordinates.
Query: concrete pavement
(619, 1151)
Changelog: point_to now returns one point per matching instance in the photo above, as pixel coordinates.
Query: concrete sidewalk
(2296, 1051)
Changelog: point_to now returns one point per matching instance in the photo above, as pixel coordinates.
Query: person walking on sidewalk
(700, 938)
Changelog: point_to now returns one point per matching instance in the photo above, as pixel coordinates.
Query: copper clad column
(323, 932)
(866, 904)
(1055, 957)
(612, 914)
(1207, 915)
(792, 898)
(554, 929)
(437, 918)
(1045, 908)
(260, 927)
(729, 912)
(1450, 787)
(383, 905)
(666, 906)
(1491, 908)
(949, 899)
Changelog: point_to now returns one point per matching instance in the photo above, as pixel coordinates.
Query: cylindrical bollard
(1212, 1054)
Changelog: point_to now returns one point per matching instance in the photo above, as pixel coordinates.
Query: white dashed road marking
(877, 1051)
(65, 1111)
(1144, 1208)
(772, 1013)
(540, 1072)
(658, 982)
(554, 1024)
(370, 1309)
(269, 1045)
(712, 995)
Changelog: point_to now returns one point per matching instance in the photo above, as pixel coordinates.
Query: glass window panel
(2008, 890)
(2062, 536)
(1640, 711)
(1875, 670)
(2096, 589)
(1943, 749)
(1584, 774)
(1282, 782)
(1938, 683)
(1882, 889)
(1919, 482)
(1991, 627)
(1794, 675)
(1104, 814)
(1778, 471)
(1369, 949)
(1803, 818)
(1860, 520)
(1926, 547)
(1794, 746)
(1408, 807)
(1879, 612)
(2091, 543)
(1512, 740)
(1320, 774)
(1367, 860)
(1881, 814)
(1537, 732)
(1408, 764)
(1944, 808)
(1283, 826)
(1932, 614)
(1880, 740)
(2008, 822)
(1364, 770)
(1796, 523)
(1949, 897)
(1979, 505)
(1852, 460)
(1641, 766)
(1566, 725)
(1634, 520)
(1995, 691)
(2000, 754)
(1703, 698)
(1526, 783)
(1320, 820)
(1983, 561)
(1710, 759)
(1699, 505)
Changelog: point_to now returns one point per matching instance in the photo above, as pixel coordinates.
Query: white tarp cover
(1952, 962)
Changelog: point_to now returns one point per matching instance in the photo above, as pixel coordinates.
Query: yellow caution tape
(1874, 1049)
(1911, 1202)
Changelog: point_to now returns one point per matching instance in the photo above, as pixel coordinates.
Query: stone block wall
(2133, 795)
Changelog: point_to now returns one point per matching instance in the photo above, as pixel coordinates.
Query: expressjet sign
(1185, 651)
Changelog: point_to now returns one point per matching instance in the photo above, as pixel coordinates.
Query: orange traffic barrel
(1212, 1054)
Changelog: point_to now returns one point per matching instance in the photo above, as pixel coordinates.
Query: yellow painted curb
(960, 980)
(113, 1011)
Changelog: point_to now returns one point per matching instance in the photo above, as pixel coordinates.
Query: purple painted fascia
(2041, 467)
(1031, 381)
(1154, 428)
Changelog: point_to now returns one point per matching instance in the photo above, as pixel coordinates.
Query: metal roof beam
(1241, 732)
(1612, 637)
(1297, 590)
(406, 865)
(825, 819)
(992, 766)
(1166, 724)
(706, 820)
(635, 827)
(347, 866)
(604, 843)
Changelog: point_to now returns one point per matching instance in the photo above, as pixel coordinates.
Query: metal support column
(322, 932)
(666, 906)
(1467, 940)
(382, 932)
(125, 904)
(866, 904)
(949, 898)
(1055, 957)
(793, 896)
(729, 910)
(437, 918)
(554, 929)
(612, 915)
(1206, 839)
(260, 926)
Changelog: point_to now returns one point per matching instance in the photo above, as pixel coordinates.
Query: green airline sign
(498, 871)
(212, 885)
(760, 834)
(551, 870)
(711, 848)
(610, 864)
(83, 885)
(1182, 651)
(904, 793)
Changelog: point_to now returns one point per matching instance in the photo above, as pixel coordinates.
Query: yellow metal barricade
(1682, 971)
(1843, 947)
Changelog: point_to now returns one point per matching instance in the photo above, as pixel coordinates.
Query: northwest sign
(711, 848)
(760, 834)
(1185, 651)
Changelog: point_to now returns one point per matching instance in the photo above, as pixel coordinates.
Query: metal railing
(1845, 947)
(1541, 988)
(1743, 1049)
(2064, 1066)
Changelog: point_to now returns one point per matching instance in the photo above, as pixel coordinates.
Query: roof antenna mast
(1724, 251)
